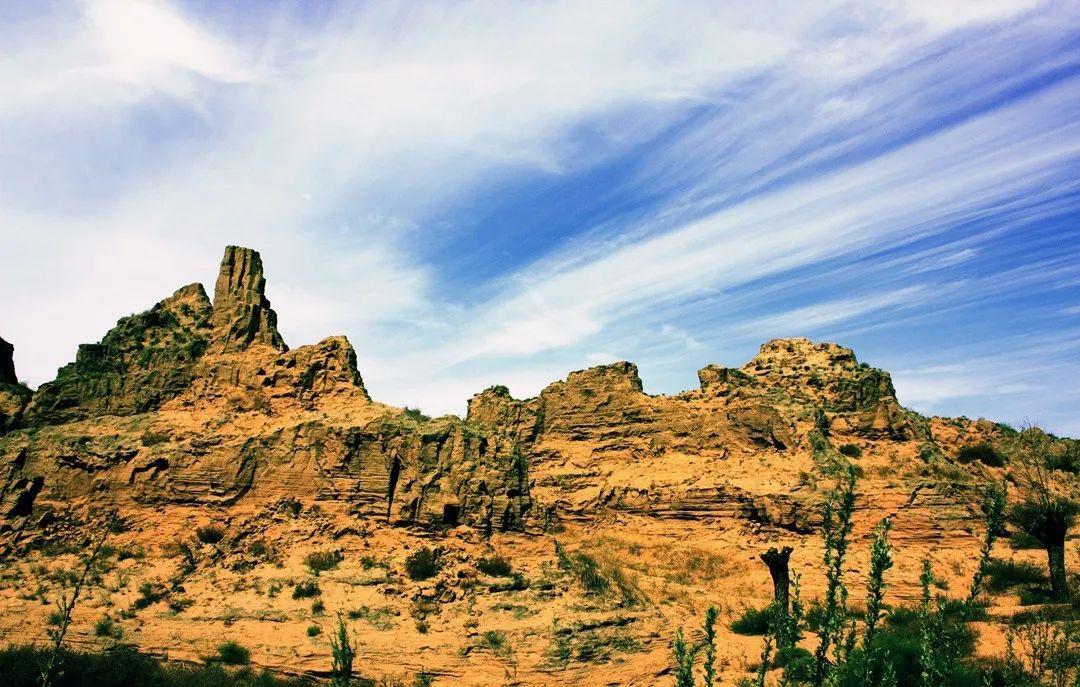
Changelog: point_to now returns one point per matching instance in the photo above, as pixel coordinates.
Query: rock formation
(242, 315)
(7, 363)
(193, 411)
(13, 395)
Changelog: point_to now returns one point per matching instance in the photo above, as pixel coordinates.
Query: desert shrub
(423, 680)
(210, 534)
(106, 627)
(496, 566)
(149, 594)
(1022, 541)
(179, 604)
(318, 608)
(1044, 650)
(1068, 460)
(152, 438)
(378, 618)
(495, 640)
(1063, 613)
(850, 450)
(587, 571)
(753, 621)
(1003, 575)
(134, 552)
(369, 562)
(900, 643)
(515, 583)
(416, 414)
(797, 662)
(422, 564)
(233, 653)
(306, 590)
(1035, 596)
(314, 631)
(124, 667)
(320, 561)
(343, 650)
(983, 452)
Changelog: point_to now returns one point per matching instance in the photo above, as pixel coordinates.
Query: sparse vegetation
(1043, 513)
(994, 520)
(597, 579)
(321, 561)
(306, 590)
(982, 452)
(314, 631)
(930, 645)
(496, 566)
(378, 618)
(850, 450)
(124, 667)
(233, 653)
(1003, 575)
(422, 565)
(149, 594)
(69, 598)
(107, 627)
(210, 534)
(343, 651)
(753, 621)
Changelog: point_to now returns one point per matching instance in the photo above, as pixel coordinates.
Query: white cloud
(140, 139)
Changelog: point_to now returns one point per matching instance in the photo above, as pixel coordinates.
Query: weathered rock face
(242, 314)
(193, 403)
(192, 412)
(7, 363)
(141, 363)
(13, 395)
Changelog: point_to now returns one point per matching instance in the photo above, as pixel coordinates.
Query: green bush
(422, 565)
(495, 640)
(797, 662)
(320, 561)
(496, 566)
(306, 590)
(232, 653)
(124, 667)
(149, 594)
(1022, 541)
(210, 534)
(900, 640)
(106, 627)
(314, 631)
(1002, 575)
(850, 450)
(753, 621)
(983, 452)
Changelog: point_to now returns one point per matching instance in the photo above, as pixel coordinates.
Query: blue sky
(488, 192)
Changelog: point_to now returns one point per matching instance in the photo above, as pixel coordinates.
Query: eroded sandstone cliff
(196, 411)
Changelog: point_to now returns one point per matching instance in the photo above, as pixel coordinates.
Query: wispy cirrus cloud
(491, 192)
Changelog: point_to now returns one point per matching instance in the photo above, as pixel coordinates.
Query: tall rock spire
(7, 363)
(242, 314)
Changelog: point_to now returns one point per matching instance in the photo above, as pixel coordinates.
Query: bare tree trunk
(1059, 585)
(777, 562)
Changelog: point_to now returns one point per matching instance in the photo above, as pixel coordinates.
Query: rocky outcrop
(7, 363)
(144, 361)
(193, 403)
(242, 314)
(13, 395)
